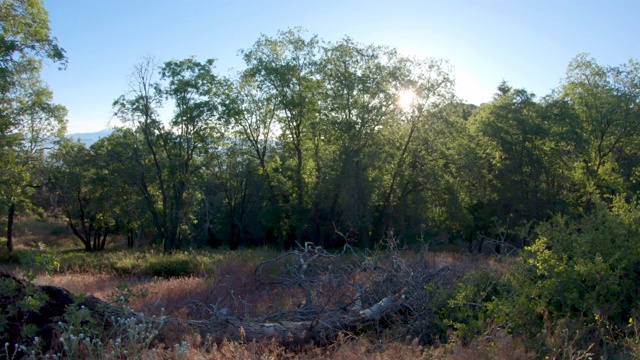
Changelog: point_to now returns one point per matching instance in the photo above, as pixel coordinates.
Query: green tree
(252, 114)
(127, 209)
(83, 189)
(177, 152)
(513, 136)
(605, 99)
(28, 118)
(417, 138)
(285, 67)
(234, 178)
(358, 100)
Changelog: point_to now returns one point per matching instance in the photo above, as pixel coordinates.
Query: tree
(358, 100)
(234, 177)
(605, 99)
(177, 153)
(418, 138)
(28, 118)
(514, 136)
(24, 37)
(252, 114)
(285, 68)
(83, 188)
(112, 155)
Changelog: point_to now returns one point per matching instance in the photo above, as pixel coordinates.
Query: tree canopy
(328, 142)
(29, 120)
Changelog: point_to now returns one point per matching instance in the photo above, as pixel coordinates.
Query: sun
(406, 99)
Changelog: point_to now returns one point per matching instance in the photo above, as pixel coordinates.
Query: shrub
(81, 336)
(175, 265)
(57, 230)
(584, 270)
(467, 310)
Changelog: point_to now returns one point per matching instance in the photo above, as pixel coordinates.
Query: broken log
(325, 328)
(320, 331)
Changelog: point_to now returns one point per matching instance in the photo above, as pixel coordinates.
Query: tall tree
(252, 113)
(127, 210)
(286, 68)
(514, 137)
(358, 100)
(84, 188)
(177, 153)
(28, 118)
(417, 135)
(605, 99)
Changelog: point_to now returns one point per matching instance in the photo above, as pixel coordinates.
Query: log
(322, 330)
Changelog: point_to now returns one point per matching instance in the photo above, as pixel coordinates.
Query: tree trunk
(86, 241)
(233, 240)
(10, 218)
(130, 238)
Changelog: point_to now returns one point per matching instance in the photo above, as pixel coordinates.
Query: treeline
(335, 142)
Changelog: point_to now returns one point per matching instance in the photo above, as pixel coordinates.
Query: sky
(526, 43)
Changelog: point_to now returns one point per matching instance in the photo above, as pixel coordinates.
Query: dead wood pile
(338, 292)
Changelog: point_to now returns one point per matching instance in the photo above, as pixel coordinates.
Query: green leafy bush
(175, 265)
(572, 292)
(584, 271)
(467, 310)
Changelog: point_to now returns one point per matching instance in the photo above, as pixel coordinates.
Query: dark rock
(18, 318)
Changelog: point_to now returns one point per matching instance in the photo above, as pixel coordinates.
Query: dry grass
(344, 348)
(100, 285)
(229, 284)
(42, 233)
(226, 280)
(500, 346)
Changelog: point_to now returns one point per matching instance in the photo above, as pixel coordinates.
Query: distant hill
(90, 138)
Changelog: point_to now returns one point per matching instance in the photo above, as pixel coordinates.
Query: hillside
(90, 137)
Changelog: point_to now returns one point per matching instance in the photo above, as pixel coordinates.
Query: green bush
(175, 265)
(573, 291)
(57, 230)
(585, 270)
(467, 310)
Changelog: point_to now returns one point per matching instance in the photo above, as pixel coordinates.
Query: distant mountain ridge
(90, 137)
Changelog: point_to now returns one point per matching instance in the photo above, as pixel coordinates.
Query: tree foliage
(29, 121)
(331, 142)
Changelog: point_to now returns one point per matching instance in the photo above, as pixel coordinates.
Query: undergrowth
(574, 293)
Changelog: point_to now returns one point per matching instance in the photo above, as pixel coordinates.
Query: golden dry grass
(227, 280)
(344, 348)
(100, 285)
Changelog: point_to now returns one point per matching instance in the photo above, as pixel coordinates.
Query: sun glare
(406, 99)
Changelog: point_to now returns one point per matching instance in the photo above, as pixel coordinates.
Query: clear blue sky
(527, 43)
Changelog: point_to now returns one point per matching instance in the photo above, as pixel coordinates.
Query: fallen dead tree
(337, 294)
